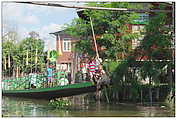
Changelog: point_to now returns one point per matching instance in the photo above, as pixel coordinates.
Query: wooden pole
(93, 8)
(94, 39)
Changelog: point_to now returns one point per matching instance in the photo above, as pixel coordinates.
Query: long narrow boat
(53, 92)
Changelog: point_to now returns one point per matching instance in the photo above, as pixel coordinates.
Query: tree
(33, 47)
(25, 56)
(7, 53)
(112, 34)
(33, 35)
(111, 29)
(156, 46)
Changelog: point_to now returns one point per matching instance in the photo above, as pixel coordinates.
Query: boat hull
(51, 93)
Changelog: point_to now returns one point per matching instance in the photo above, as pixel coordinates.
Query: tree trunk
(157, 94)
(106, 94)
(31, 69)
(150, 90)
(141, 96)
(13, 74)
(117, 96)
(170, 77)
(22, 73)
(17, 71)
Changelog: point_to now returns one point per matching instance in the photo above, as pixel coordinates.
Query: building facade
(67, 59)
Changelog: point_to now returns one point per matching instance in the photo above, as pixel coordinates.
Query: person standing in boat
(84, 70)
(69, 77)
(49, 75)
(92, 69)
(33, 80)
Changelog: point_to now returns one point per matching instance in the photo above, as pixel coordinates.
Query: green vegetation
(109, 26)
(22, 57)
(60, 103)
(145, 73)
(132, 80)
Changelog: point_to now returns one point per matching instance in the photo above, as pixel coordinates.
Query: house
(68, 58)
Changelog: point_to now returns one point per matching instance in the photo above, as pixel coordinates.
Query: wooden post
(141, 96)
(150, 90)
(106, 94)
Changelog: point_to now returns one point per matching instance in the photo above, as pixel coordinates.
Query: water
(81, 107)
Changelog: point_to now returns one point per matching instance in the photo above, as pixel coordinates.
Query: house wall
(67, 56)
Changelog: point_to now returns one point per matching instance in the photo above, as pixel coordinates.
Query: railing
(23, 82)
(32, 81)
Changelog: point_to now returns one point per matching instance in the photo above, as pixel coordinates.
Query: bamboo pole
(93, 8)
(94, 39)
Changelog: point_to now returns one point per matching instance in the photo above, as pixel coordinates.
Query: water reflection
(81, 107)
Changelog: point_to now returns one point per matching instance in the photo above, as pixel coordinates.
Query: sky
(25, 18)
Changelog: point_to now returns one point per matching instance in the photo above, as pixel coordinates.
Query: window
(66, 45)
(143, 17)
(141, 28)
(135, 28)
(66, 67)
(136, 42)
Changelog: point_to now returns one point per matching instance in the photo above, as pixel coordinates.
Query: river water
(81, 107)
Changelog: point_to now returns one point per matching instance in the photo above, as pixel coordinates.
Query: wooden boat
(53, 92)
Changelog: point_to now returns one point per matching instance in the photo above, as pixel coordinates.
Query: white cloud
(30, 20)
(50, 40)
(52, 27)
(23, 32)
(16, 13)
(41, 19)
